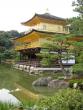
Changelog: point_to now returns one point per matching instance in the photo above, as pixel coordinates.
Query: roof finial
(47, 10)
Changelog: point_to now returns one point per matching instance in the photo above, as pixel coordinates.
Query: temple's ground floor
(30, 57)
(30, 62)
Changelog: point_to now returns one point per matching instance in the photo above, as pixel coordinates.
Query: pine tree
(55, 50)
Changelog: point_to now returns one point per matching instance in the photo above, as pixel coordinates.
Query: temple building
(41, 27)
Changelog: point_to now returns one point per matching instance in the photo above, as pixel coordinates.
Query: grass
(6, 106)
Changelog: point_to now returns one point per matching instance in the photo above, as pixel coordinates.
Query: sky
(14, 12)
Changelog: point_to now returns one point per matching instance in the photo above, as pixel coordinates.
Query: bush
(6, 106)
(78, 81)
(63, 100)
(78, 69)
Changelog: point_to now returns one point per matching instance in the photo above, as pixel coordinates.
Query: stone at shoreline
(7, 97)
(58, 84)
(43, 81)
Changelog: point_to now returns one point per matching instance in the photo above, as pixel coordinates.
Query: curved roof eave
(46, 32)
(45, 16)
(24, 23)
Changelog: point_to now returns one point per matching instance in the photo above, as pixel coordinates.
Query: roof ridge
(48, 16)
(45, 16)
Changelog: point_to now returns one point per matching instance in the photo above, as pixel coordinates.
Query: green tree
(77, 22)
(54, 50)
(76, 26)
(6, 44)
(78, 49)
(78, 4)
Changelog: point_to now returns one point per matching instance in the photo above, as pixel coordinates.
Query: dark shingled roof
(49, 16)
(46, 16)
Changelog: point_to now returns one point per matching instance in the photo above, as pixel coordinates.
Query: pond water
(11, 79)
(7, 97)
(45, 90)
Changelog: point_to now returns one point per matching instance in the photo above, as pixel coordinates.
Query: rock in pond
(7, 97)
(58, 84)
(42, 81)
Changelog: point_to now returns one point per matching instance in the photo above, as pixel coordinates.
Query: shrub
(63, 100)
(78, 69)
(6, 106)
(78, 81)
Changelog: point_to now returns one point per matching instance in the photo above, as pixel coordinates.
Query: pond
(45, 90)
(11, 79)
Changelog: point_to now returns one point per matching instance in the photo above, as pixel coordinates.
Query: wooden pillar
(21, 56)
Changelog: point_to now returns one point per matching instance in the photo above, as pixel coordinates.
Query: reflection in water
(7, 97)
(44, 90)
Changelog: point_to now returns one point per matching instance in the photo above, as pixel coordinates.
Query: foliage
(54, 50)
(16, 56)
(76, 25)
(13, 33)
(77, 22)
(72, 81)
(6, 44)
(6, 106)
(78, 67)
(63, 100)
(46, 56)
(78, 4)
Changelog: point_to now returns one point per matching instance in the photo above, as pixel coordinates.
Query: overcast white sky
(13, 12)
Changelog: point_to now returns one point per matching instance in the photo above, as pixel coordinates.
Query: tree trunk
(60, 63)
(0, 60)
(62, 67)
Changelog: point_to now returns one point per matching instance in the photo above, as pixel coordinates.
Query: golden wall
(31, 40)
(51, 28)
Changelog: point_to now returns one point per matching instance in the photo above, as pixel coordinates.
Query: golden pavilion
(41, 26)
